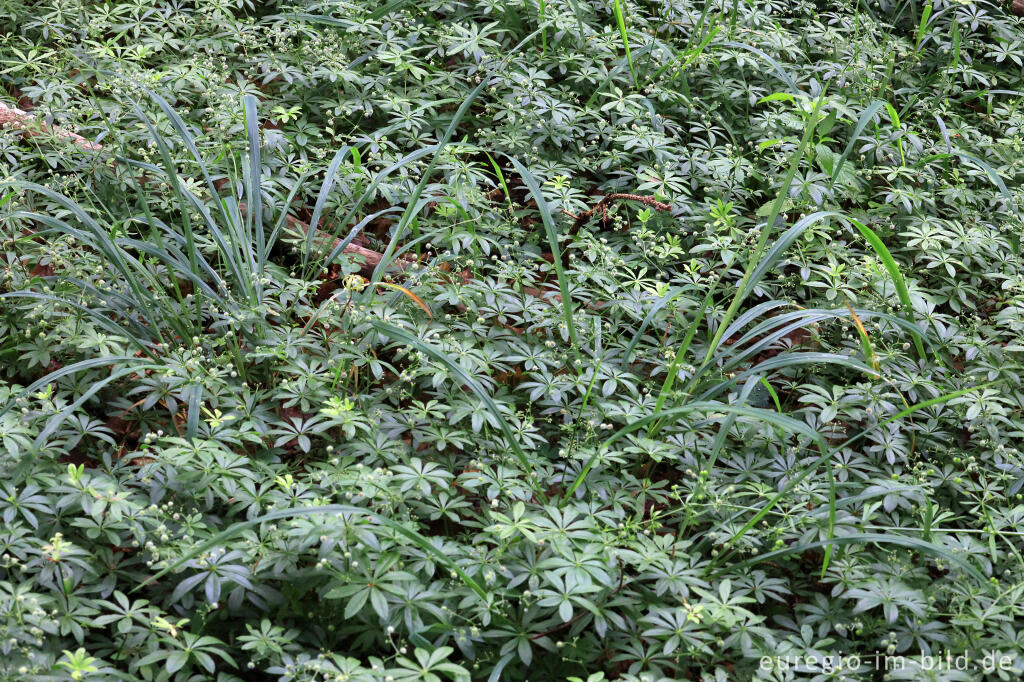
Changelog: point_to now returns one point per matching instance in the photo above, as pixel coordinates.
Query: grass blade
(414, 205)
(254, 199)
(922, 27)
(756, 267)
(894, 273)
(410, 295)
(463, 376)
(500, 176)
(669, 296)
(556, 253)
(866, 117)
(916, 544)
(620, 19)
(321, 200)
(68, 370)
(827, 453)
(783, 76)
(781, 421)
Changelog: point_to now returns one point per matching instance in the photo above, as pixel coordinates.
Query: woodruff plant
(776, 419)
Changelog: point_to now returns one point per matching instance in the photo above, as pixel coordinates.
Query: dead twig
(602, 206)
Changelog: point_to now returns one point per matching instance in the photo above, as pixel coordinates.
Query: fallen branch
(31, 125)
(602, 206)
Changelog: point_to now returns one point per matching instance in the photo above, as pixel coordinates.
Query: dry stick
(602, 206)
(31, 125)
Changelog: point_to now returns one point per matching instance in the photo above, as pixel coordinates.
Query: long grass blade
(68, 370)
(464, 377)
(893, 269)
(321, 200)
(756, 267)
(669, 296)
(827, 454)
(254, 199)
(414, 205)
(783, 76)
(556, 252)
(779, 420)
(620, 19)
(866, 117)
(916, 544)
(410, 295)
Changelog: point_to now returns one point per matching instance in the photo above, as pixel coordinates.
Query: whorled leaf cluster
(551, 448)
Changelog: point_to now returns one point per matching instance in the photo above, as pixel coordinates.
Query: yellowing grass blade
(415, 299)
(894, 272)
(865, 340)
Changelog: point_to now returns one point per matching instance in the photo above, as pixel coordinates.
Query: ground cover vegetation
(547, 339)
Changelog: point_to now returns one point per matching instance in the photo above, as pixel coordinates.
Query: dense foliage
(696, 340)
